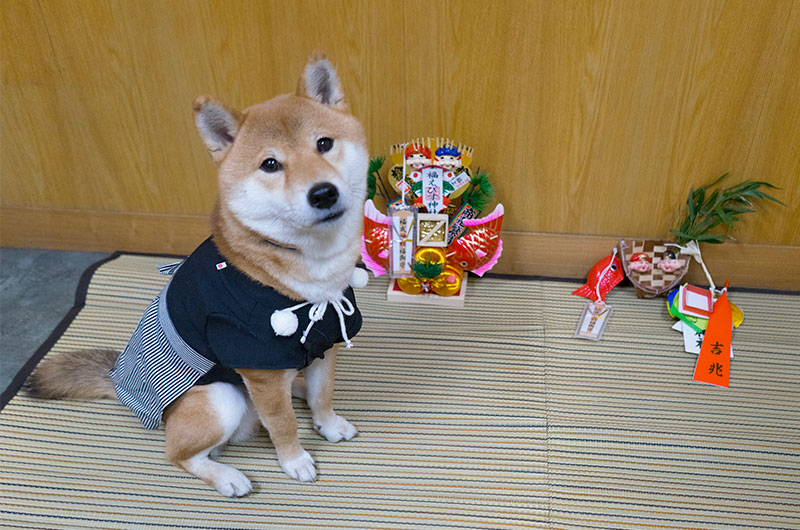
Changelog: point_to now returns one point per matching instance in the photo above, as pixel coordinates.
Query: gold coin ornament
(432, 274)
(449, 282)
(432, 255)
(410, 285)
(431, 178)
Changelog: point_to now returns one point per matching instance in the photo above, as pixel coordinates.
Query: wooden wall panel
(594, 117)
(524, 253)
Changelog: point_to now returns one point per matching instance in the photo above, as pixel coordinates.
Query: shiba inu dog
(220, 350)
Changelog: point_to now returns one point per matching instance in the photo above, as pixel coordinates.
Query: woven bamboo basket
(654, 282)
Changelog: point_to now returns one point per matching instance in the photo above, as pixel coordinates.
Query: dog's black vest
(209, 320)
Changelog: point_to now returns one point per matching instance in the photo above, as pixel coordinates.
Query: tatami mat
(490, 416)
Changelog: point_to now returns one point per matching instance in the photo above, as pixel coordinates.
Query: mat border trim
(80, 301)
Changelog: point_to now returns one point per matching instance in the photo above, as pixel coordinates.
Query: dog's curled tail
(81, 374)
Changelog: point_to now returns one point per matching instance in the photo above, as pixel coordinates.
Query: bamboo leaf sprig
(708, 209)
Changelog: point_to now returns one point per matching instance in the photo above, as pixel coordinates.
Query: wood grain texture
(594, 117)
(524, 253)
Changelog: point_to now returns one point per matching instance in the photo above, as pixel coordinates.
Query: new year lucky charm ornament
(714, 359)
(593, 320)
(604, 276)
(431, 235)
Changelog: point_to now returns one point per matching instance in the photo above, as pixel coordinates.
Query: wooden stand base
(395, 294)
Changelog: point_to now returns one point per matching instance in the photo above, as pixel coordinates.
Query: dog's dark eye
(324, 145)
(270, 165)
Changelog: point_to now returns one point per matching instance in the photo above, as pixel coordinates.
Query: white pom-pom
(284, 323)
(359, 278)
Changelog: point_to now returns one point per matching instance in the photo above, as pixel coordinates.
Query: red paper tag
(714, 361)
(696, 301)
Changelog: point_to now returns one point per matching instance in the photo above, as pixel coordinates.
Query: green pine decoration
(480, 191)
(426, 270)
(708, 209)
(374, 176)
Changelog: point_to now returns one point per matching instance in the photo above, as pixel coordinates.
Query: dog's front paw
(301, 468)
(232, 482)
(336, 429)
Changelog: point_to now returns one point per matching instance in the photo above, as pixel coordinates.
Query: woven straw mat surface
(490, 416)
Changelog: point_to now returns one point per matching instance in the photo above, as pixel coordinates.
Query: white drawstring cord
(342, 306)
(341, 311)
(610, 263)
(692, 248)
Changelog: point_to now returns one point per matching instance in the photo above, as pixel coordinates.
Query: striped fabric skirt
(156, 366)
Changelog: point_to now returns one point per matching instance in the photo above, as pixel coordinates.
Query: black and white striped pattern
(157, 366)
(168, 269)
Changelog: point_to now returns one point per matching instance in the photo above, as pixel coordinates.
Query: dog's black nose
(323, 195)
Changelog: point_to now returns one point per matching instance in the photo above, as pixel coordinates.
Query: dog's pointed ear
(217, 125)
(320, 82)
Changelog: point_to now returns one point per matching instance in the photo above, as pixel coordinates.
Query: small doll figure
(669, 262)
(418, 156)
(448, 158)
(640, 262)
